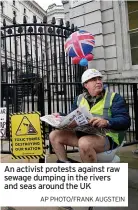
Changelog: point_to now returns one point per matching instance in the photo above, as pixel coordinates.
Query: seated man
(109, 110)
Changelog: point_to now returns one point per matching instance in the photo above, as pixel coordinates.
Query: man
(109, 110)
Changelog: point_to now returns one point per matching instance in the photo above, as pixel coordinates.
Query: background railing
(20, 97)
(62, 101)
(37, 75)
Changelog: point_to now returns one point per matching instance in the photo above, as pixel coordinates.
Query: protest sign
(26, 136)
(2, 122)
(82, 184)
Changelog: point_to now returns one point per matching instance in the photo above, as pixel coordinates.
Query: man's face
(94, 86)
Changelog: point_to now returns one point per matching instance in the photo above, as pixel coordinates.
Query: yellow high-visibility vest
(103, 109)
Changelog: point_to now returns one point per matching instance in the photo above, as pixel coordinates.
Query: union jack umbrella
(79, 43)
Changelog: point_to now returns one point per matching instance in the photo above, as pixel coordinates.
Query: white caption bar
(64, 184)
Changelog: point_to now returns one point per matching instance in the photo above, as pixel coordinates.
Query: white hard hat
(89, 74)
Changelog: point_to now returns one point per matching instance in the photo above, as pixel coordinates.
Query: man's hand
(56, 115)
(98, 122)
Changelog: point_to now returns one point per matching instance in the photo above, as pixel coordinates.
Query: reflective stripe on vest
(102, 109)
(106, 104)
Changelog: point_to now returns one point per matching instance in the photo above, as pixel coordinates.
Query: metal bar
(128, 102)
(132, 113)
(21, 53)
(15, 84)
(32, 24)
(28, 33)
(64, 67)
(135, 95)
(5, 152)
(5, 44)
(133, 30)
(11, 60)
(134, 48)
(15, 47)
(36, 44)
(130, 143)
(47, 66)
(132, 12)
(41, 50)
(56, 69)
(32, 96)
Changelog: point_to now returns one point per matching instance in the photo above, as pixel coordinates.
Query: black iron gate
(37, 75)
(32, 56)
(20, 97)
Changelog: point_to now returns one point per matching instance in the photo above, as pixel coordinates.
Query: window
(133, 30)
(2, 7)
(14, 3)
(24, 11)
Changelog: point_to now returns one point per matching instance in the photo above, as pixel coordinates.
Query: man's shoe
(65, 208)
(69, 161)
(60, 161)
(73, 161)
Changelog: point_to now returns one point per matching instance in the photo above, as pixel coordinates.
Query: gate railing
(32, 53)
(20, 97)
(31, 98)
(35, 48)
(36, 73)
(62, 101)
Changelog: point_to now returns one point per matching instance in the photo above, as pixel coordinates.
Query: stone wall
(108, 21)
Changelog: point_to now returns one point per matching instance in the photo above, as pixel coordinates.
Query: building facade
(23, 47)
(19, 48)
(54, 46)
(115, 26)
(31, 50)
(19, 9)
(56, 11)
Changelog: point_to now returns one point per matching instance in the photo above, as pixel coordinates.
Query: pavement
(126, 155)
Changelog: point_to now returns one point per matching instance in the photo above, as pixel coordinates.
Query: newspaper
(76, 121)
